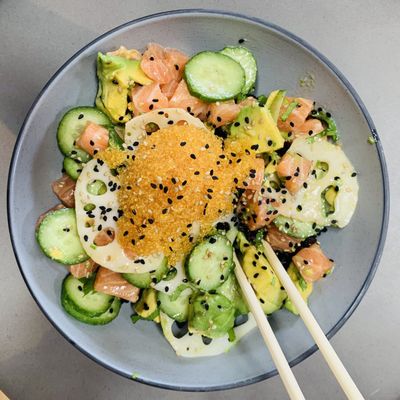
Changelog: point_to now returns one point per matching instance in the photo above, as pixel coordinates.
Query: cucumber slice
(58, 237)
(91, 304)
(145, 279)
(102, 319)
(72, 125)
(177, 309)
(247, 61)
(210, 262)
(72, 167)
(213, 76)
(296, 228)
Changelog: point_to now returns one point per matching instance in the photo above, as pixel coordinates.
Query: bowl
(140, 351)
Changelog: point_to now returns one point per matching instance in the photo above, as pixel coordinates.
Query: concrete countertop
(362, 38)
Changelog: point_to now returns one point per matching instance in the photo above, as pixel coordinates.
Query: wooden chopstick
(286, 374)
(332, 359)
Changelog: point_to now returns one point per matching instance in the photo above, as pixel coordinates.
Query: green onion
(289, 110)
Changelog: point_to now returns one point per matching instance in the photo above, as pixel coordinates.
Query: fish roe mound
(179, 182)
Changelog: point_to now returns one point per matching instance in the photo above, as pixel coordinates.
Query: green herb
(88, 284)
(371, 140)
(302, 284)
(262, 100)
(231, 335)
(135, 318)
(259, 237)
(273, 280)
(289, 110)
(329, 131)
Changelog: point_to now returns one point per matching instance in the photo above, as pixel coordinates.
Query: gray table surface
(361, 37)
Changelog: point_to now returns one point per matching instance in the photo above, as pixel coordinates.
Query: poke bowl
(160, 184)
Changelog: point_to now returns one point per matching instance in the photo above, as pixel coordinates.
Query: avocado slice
(304, 288)
(255, 129)
(274, 103)
(147, 307)
(116, 76)
(261, 276)
(231, 290)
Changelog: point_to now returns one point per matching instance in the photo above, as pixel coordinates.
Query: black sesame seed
(354, 174)
(240, 41)
(80, 116)
(165, 210)
(169, 201)
(305, 185)
(310, 132)
(170, 122)
(254, 147)
(247, 120)
(193, 156)
(183, 144)
(151, 106)
(256, 275)
(212, 240)
(85, 238)
(161, 112)
(328, 114)
(291, 124)
(197, 172)
(151, 58)
(299, 207)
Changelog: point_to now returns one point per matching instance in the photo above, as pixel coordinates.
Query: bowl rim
(385, 179)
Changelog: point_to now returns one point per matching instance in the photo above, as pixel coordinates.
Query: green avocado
(265, 283)
(116, 76)
(231, 290)
(305, 288)
(147, 307)
(211, 315)
(274, 103)
(255, 129)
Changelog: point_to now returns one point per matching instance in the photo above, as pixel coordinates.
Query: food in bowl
(177, 167)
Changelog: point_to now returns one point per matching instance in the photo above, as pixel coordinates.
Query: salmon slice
(295, 170)
(225, 112)
(104, 237)
(112, 283)
(94, 138)
(222, 113)
(83, 270)
(281, 241)
(256, 176)
(154, 66)
(64, 189)
(42, 216)
(163, 65)
(147, 98)
(176, 61)
(310, 127)
(168, 89)
(312, 263)
(183, 99)
(297, 117)
(259, 211)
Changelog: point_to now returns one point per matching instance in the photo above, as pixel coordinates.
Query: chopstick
(286, 374)
(332, 359)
